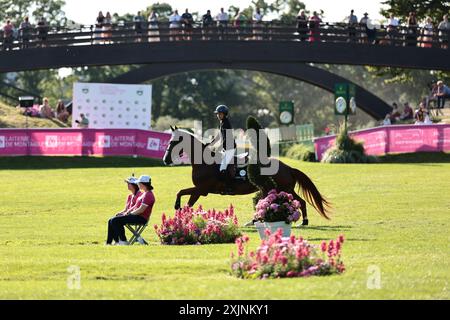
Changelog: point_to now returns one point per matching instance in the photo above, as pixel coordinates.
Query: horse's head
(177, 145)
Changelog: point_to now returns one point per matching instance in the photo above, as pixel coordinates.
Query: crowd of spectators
(308, 28)
(46, 111)
(436, 99)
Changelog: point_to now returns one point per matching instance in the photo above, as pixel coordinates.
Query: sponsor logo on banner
(51, 141)
(2, 142)
(104, 141)
(85, 90)
(153, 144)
(140, 92)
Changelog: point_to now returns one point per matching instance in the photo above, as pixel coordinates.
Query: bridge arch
(365, 100)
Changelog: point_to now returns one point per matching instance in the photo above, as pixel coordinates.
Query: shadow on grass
(418, 157)
(38, 162)
(320, 228)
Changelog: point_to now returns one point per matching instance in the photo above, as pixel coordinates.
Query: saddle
(238, 169)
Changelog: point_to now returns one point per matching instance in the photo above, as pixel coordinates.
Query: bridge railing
(250, 31)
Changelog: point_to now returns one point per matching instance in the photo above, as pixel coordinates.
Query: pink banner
(83, 142)
(395, 139)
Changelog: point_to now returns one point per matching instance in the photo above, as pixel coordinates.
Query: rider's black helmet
(222, 109)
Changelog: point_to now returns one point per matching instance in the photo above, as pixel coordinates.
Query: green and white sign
(286, 109)
(344, 99)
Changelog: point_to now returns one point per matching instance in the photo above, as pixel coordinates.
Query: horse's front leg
(189, 191)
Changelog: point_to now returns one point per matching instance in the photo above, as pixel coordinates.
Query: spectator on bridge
(100, 20)
(427, 34)
(25, 32)
(364, 28)
(411, 37)
(240, 21)
(407, 113)
(314, 27)
(42, 28)
(444, 32)
(45, 111)
(61, 112)
(442, 93)
(107, 27)
(207, 22)
(174, 25)
(8, 35)
(138, 26)
(153, 33)
(352, 25)
(302, 25)
(257, 24)
(187, 24)
(222, 20)
(391, 29)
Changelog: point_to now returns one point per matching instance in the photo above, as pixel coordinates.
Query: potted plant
(276, 210)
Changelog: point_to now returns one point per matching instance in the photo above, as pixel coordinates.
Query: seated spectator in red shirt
(407, 113)
(138, 214)
(130, 203)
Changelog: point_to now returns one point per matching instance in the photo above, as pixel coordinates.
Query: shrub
(301, 152)
(279, 257)
(197, 226)
(347, 150)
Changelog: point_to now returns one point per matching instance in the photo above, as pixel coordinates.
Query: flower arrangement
(197, 226)
(277, 207)
(280, 257)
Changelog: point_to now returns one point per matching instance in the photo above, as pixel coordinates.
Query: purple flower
(274, 206)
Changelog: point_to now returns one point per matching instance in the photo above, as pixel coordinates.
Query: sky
(85, 11)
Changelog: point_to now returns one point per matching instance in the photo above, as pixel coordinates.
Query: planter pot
(273, 227)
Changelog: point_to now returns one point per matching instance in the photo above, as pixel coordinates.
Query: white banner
(106, 105)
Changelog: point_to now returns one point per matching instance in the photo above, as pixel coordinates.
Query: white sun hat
(144, 179)
(131, 180)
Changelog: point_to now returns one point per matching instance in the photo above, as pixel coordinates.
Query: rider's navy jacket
(224, 125)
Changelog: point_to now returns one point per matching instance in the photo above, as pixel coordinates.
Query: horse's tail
(311, 194)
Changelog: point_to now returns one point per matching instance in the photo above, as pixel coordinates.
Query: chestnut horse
(205, 177)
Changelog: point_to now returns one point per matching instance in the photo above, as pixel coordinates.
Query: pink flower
(323, 246)
(341, 238)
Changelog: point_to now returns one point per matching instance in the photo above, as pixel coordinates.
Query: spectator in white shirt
(222, 22)
(257, 24)
(175, 24)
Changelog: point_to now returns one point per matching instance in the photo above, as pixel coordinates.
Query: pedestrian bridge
(263, 43)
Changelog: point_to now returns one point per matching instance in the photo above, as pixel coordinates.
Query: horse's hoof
(177, 205)
(305, 222)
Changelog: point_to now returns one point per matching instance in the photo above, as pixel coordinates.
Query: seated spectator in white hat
(130, 202)
(138, 214)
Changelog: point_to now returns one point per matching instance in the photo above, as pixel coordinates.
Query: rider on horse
(228, 143)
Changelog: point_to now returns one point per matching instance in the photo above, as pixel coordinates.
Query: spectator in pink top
(137, 214)
(314, 27)
(130, 203)
(8, 35)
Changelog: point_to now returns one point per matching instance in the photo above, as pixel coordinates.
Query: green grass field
(53, 215)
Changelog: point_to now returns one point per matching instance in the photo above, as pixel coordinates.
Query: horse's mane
(194, 136)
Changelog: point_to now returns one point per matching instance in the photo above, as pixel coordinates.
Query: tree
(423, 8)
(16, 10)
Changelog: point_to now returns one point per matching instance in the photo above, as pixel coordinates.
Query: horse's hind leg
(302, 208)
